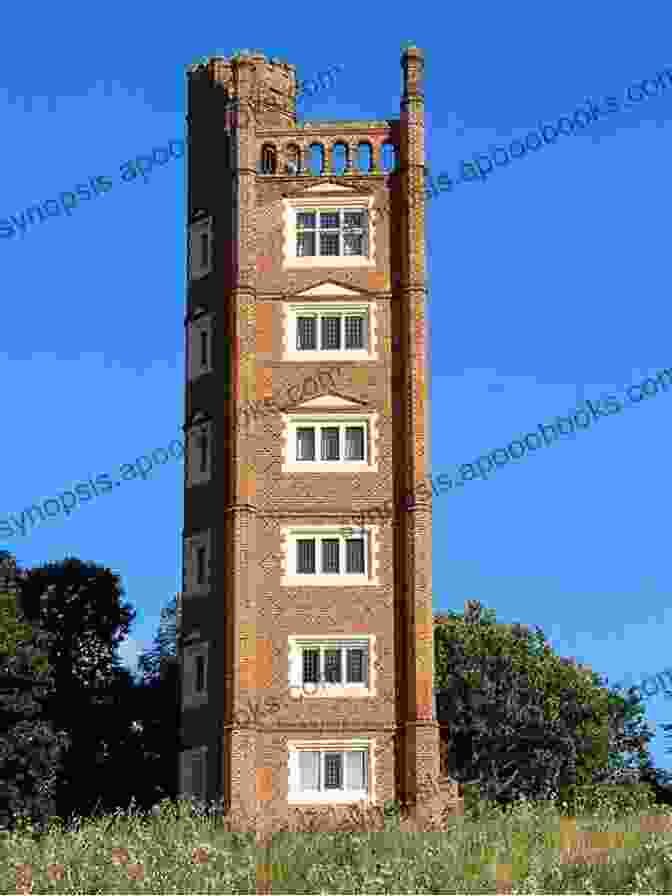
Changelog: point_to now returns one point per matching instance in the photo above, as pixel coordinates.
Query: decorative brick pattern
(251, 503)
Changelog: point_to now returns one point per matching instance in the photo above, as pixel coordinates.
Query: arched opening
(339, 155)
(316, 159)
(388, 157)
(364, 156)
(292, 159)
(269, 159)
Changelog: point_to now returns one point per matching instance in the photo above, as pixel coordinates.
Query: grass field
(179, 849)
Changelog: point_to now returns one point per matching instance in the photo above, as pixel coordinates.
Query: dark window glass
(354, 555)
(355, 671)
(331, 332)
(333, 771)
(200, 674)
(200, 566)
(204, 250)
(306, 555)
(353, 244)
(311, 666)
(204, 348)
(203, 443)
(329, 243)
(305, 443)
(332, 666)
(329, 221)
(330, 552)
(305, 244)
(354, 332)
(354, 443)
(330, 437)
(306, 333)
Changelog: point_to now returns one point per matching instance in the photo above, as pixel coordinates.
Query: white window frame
(340, 231)
(342, 427)
(294, 422)
(191, 546)
(292, 578)
(193, 457)
(367, 794)
(343, 309)
(317, 205)
(299, 689)
(195, 330)
(190, 653)
(187, 760)
(198, 270)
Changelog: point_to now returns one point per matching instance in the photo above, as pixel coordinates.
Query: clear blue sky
(548, 287)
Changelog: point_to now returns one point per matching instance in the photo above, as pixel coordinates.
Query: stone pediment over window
(333, 401)
(329, 288)
(333, 186)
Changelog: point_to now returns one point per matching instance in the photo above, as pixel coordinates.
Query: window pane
(329, 220)
(305, 443)
(203, 443)
(353, 219)
(329, 243)
(354, 332)
(330, 548)
(200, 566)
(354, 443)
(200, 674)
(305, 555)
(204, 250)
(333, 771)
(305, 244)
(353, 244)
(309, 770)
(355, 670)
(306, 333)
(305, 219)
(354, 555)
(311, 665)
(355, 769)
(204, 348)
(330, 436)
(331, 332)
(332, 665)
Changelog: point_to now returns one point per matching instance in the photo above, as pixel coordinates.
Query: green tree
(80, 605)
(165, 644)
(30, 750)
(508, 695)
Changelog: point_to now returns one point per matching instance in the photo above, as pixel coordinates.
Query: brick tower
(306, 646)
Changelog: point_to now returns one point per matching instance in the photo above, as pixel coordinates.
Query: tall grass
(183, 847)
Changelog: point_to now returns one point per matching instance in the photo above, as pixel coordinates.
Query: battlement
(268, 83)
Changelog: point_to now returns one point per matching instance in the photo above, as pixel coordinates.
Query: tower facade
(306, 637)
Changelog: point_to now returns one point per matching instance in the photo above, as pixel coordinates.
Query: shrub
(618, 800)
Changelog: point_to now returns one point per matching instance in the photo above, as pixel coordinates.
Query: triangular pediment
(330, 188)
(335, 186)
(332, 401)
(330, 288)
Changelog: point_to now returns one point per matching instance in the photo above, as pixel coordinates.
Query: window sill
(328, 261)
(331, 692)
(310, 466)
(343, 355)
(327, 580)
(322, 799)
